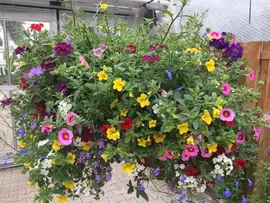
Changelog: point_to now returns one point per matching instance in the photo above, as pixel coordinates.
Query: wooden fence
(258, 58)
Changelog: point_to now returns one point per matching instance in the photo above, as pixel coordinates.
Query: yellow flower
(118, 84)
(128, 167)
(212, 147)
(27, 165)
(143, 100)
(71, 158)
(86, 146)
(113, 134)
(230, 146)
(190, 140)
(56, 145)
(142, 142)
(54, 162)
(152, 123)
(22, 144)
(104, 157)
(194, 50)
(38, 190)
(206, 117)
(112, 105)
(219, 100)
(104, 6)
(183, 128)
(210, 65)
(30, 183)
(159, 138)
(22, 63)
(131, 94)
(138, 123)
(220, 107)
(124, 112)
(61, 198)
(69, 185)
(102, 75)
(216, 113)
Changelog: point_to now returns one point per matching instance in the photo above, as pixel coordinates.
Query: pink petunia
(227, 115)
(200, 137)
(70, 118)
(205, 153)
(47, 128)
(251, 75)
(97, 52)
(84, 62)
(266, 116)
(257, 132)
(103, 47)
(235, 40)
(185, 156)
(162, 158)
(226, 88)
(65, 136)
(169, 154)
(240, 137)
(192, 150)
(214, 35)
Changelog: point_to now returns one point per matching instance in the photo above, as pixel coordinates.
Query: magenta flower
(240, 137)
(227, 115)
(47, 128)
(103, 47)
(63, 49)
(162, 158)
(266, 116)
(205, 153)
(169, 154)
(70, 118)
(226, 88)
(251, 75)
(200, 137)
(192, 150)
(214, 35)
(65, 136)
(97, 52)
(257, 132)
(84, 62)
(185, 156)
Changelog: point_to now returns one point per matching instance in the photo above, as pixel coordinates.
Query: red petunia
(240, 163)
(146, 161)
(190, 171)
(127, 124)
(40, 108)
(132, 49)
(104, 128)
(86, 135)
(36, 27)
(230, 123)
(220, 150)
(23, 84)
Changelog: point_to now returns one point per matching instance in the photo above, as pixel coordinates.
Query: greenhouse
(116, 101)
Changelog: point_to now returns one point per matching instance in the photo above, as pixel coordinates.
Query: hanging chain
(97, 10)
(116, 5)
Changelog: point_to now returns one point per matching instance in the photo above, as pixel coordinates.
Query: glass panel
(3, 70)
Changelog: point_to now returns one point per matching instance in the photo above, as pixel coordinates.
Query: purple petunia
(97, 178)
(101, 144)
(62, 87)
(48, 63)
(36, 71)
(219, 44)
(63, 49)
(6, 102)
(21, 49)
(235, 51)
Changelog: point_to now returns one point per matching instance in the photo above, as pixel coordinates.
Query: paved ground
(13, 189)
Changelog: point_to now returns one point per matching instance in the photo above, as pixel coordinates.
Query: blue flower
(183, 196)
(219, 179)
(141, 187)
(189, 201)
(23, 151)
(25, 116)
(156, 171)
(180, 88)
(250, 183)
(35, 71)
(33, 124)
(244, 200)
(169, 74)
(42, 157)
(21, 132)
(227, 193)
(236, 184)
(183, 179)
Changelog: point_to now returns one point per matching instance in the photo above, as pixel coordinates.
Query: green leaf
(188, 97)
(168, 13)
(195, 125)
(143, 194)
(127, 139)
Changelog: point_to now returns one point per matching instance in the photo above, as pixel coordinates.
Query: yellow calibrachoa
(62, 198)
(30, 183)
(139, 123)
(159, 138)
(118, 84)
(212, 147)
(194, 50)
(210, 65)
(142, 142)
(143, 100)
(104, 157)
(206, 117)
(219, 101)
(71, 158)
(69, 185)
(102, 75)
(128, 167)
(152, 123)
(183, 128)
(54, 162)
(113, 134)
(56, 145)
(86, 146)
(190, 140)
(22, 144)
(124, 112)
(22, 63)
(104, 6)
(216, 112)
(27, 165)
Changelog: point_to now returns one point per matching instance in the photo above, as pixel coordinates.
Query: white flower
(139, 167)
(46, 164)
(42, 143)
(45, 173)
(176, 166)
(217, 167)
(64, 107)
(155, 108)
(177, 174)
(77, 142)
(164, 93)
(182, 166)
